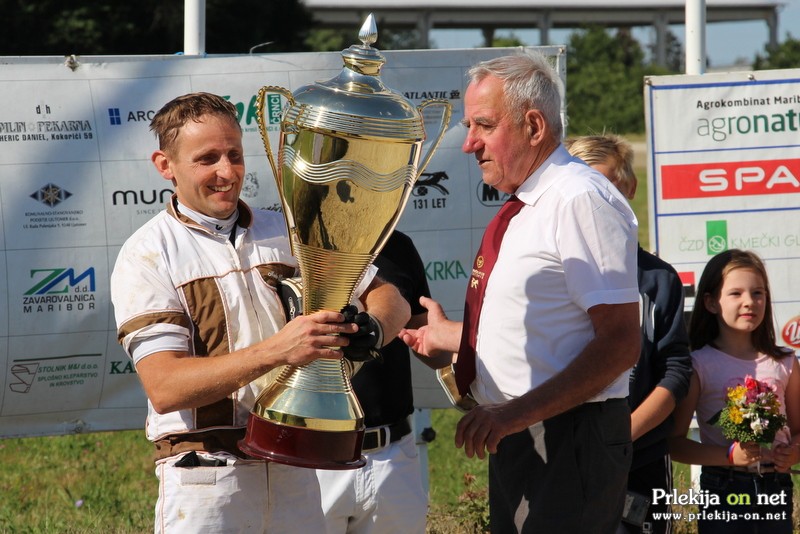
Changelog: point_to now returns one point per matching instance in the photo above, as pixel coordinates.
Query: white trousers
(240, 496)
(385, 496)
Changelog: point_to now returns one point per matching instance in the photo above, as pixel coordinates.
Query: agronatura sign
(725, 173)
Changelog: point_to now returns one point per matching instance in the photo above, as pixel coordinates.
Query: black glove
(290, 291)
(365, 343)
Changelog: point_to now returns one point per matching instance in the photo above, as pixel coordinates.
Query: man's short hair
(529, 82)
(168, 121)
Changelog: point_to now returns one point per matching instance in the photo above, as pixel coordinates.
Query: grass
(82, 483)
(105, 482)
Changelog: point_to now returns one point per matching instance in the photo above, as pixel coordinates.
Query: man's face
(501, 146)
(206, 165)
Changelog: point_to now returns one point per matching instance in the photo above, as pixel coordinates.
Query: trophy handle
(262, 127)
(442, 128)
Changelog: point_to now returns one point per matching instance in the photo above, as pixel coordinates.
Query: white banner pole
(194, 27)
(695, 36)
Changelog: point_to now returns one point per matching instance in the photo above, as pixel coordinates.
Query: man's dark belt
(381, 436)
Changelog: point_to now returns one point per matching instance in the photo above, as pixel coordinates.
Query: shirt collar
(540, 181)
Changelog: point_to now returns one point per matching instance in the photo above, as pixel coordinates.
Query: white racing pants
(239, 496)
(384, 496)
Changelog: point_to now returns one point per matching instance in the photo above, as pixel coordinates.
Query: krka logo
(60, 289)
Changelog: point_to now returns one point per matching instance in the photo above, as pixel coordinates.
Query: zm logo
(58, 281)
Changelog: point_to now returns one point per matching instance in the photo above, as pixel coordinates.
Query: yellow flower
(737, 395)
(735, 415)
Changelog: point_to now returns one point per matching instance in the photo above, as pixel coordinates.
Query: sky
(726, 42)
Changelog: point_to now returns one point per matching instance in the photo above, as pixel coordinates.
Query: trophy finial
(368, 33)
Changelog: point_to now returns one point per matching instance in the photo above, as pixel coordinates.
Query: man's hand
(785, 456)
(365, 342)
(482, 428)
(439, 336)
(308, 337)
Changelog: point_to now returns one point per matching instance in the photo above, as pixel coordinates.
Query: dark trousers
(565, 475)
(739, 511)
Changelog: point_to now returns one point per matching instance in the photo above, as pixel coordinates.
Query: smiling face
(741, 304)
(206, 165)
(501, 145)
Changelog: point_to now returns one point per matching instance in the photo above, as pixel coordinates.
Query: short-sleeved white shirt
(572, 246)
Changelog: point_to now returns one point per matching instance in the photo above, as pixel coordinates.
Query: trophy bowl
(348, 157)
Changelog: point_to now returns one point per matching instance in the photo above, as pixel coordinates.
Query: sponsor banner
(723, 174)
(76, 180)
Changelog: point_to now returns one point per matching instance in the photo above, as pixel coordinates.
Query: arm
(384, 302)
(785, 456)
(651, 412)
(175, 380)
(614, 349)
(666, 352)
(688, 451)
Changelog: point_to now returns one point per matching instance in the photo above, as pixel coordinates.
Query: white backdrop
(724, 168)
(76, 181)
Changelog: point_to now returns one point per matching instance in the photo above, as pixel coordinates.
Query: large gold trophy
(348, 158)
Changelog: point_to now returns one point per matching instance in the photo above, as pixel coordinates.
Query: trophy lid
(357, 96)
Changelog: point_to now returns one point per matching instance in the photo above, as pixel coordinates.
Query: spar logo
(727, 179)
(791, 332)
(60, 289)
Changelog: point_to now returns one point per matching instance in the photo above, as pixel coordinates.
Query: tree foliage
(108, 27)
(605, 82)
(785, 56)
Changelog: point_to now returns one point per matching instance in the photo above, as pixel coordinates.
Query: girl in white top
(732, 336)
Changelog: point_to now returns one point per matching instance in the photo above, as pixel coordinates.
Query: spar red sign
(701, 180)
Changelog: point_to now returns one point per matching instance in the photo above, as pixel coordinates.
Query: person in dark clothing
(386, 495)
(661, 377)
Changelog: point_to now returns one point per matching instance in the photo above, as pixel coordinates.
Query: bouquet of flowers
(752, 413)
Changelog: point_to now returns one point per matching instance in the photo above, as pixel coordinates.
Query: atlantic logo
(727, 179)
(51, 195)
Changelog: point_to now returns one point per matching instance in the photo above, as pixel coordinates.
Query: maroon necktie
(481, 269)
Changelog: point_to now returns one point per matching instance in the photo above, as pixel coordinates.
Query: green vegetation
(105, 482)
(84, 483)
